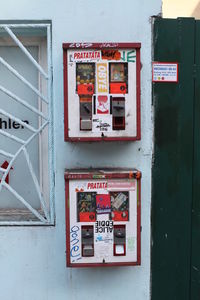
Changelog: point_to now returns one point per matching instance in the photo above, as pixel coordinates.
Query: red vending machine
(102, 91)
(103, 214)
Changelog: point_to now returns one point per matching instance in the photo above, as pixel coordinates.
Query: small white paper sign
(164, 72)
(102, 123)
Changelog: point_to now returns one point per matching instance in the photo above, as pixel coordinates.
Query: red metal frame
(67, 222)
(100, 46)
(107, 45)
(164, 63)
(71, 175)
(65, 76)
(139, 223)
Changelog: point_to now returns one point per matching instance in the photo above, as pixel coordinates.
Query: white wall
(32, 259)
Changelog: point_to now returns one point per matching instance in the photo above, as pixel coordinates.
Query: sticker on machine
(131, 244)
(80, 187)
(111, 54)
(120, 185)
(97, 185)
(104, 238)
(104, 245)
(102, 104)
(102, 78)
(77, 56)
(102, 123)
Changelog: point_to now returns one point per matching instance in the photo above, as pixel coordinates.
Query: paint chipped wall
(32, 259)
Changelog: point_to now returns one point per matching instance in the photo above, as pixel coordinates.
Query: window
(26, 139)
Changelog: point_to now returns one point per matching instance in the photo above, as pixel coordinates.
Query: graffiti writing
(108, 45)
(128, 56)
(80, 45)
(74, 242)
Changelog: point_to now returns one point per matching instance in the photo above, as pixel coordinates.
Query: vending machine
(103, 213)
(102, 91)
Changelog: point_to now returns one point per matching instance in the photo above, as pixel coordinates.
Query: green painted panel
(173, 158)
(195, 260)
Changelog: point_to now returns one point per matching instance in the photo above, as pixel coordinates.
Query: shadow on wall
(196, 11)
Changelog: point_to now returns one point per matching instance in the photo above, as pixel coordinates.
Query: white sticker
(165, 72)
(131, 244)
(102, 123)
(114, 185)
(104, 244)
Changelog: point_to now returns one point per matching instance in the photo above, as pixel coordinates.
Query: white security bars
(26, 131)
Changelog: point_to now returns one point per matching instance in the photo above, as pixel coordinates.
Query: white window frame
(46, 186)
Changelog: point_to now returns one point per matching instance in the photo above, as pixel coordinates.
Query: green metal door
(175, 253)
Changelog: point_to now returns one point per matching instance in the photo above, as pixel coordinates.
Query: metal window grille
(28, 214)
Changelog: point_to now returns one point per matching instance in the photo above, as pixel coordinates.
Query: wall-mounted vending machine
(103, 216)
(102, 91)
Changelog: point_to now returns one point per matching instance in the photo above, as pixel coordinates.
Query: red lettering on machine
(96, 185)
(87, 55)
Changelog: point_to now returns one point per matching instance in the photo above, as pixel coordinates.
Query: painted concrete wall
(181, 8)
(32, 259)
